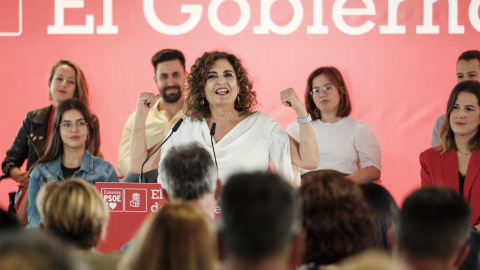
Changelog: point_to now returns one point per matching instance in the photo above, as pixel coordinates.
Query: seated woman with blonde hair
(178, 236)
(75, 212)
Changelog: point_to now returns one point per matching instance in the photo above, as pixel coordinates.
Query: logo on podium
(137, 200)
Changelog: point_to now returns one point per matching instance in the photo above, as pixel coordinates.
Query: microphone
(212, 133)
(141, 177)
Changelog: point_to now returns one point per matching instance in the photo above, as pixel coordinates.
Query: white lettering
(60, 28)
(338, 13)
(157, 194)
(428, 27)
(154, 207)
(266, 24)
(195, 12)
(229, 30)
(107, 27)
(112, 198)
(453, 27)
(393, 27)
(317, 27)
(473, 14)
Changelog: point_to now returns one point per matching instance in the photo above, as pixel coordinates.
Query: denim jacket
(92, 169)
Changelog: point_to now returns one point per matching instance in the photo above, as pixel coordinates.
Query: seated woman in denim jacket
(66, 155)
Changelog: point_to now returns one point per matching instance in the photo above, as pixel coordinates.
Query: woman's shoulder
(39, 113)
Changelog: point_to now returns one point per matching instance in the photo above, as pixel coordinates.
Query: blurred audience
(385, 211)
(178, 236)
(336, 218)
(259, 226)
(189, 174)
(75, 212)
(32, 251)
(433, 229)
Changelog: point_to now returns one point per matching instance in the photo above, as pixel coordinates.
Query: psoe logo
(136, 200)
(113, 197)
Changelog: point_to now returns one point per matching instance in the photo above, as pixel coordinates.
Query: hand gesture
(145, 102)
(290, 99)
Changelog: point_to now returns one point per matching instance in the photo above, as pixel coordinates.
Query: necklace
(465, 154)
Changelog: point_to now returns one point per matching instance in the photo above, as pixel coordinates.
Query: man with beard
(169, 65)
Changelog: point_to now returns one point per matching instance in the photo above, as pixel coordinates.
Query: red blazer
(442, 169)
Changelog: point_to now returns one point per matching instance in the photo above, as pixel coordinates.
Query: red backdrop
(398, 58)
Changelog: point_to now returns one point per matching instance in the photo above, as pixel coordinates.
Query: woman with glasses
(67, 155)
(345, 145)
(66, 81)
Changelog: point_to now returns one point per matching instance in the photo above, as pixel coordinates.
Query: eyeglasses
(317, 90)
(68, 125)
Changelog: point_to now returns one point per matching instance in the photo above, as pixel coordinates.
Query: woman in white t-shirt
(345, 145)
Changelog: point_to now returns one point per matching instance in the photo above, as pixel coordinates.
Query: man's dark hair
(469, 55)
(31, 250)
(168, 55)
(434, 223)
(259, 215)
(188, 172)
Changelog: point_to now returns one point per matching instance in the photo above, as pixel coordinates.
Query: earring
(316, 112)
(202, 101)
(238, 99)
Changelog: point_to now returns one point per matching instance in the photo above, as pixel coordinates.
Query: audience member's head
(385, 211)
(32, 251)
(74, 211)
(188, 172)
(8, 222)
(259, 218)
(178, 236)
(433, 229)
(337, 219)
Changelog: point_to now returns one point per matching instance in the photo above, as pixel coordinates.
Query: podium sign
(129, 205)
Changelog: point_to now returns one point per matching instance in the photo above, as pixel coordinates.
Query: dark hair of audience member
(434, 222)
(29, 250)
(8, 222)
(384, 208)
(178, 236)
(74, 211)
(337, 219)
(188, 172)
(259, 215)
(167, 55)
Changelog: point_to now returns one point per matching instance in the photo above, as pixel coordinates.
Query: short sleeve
(367, 146)
(294, 130)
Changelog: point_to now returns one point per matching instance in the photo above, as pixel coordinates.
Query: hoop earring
(316, 112)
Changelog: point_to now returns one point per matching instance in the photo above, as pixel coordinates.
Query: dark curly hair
(337, 220)
(197, 80)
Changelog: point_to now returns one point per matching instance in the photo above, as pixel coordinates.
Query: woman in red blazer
(455, 162)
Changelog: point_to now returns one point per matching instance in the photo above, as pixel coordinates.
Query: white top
(343, 145)
(248, 147)
(156, 127)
